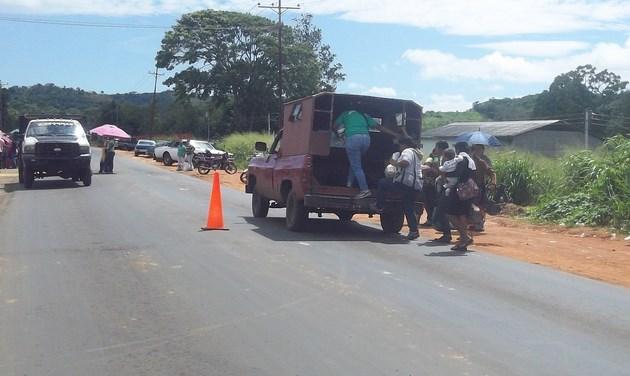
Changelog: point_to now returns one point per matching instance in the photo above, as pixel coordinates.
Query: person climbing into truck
(408, 182)
(354, 127)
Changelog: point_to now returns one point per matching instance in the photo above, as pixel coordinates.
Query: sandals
(462, 246)
(443, 239)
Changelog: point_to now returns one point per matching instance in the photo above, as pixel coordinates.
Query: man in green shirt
(354, 127)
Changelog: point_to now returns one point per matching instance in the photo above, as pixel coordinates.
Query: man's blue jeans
(408, 200)
(356, 147)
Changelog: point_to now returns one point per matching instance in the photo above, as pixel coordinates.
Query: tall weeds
(594, 188)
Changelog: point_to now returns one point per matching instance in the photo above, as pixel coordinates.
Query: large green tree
(582, 88)
(231, 58)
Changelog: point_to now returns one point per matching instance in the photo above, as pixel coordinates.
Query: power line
(80, 23)
(122, 25)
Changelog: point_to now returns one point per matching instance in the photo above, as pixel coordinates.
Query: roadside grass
(242, 145)
(590, 188)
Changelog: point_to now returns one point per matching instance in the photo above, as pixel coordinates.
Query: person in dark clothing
(486, 179)
(458, 171)
(440, 218)
(407, 183)
(430, 171)
(110, 145)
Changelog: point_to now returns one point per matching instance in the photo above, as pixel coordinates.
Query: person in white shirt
(407, 181)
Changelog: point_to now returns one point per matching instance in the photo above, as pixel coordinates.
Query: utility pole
(587, 123)
(152, 123)
(280, 10)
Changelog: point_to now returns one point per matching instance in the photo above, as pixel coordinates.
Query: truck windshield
(54, 129)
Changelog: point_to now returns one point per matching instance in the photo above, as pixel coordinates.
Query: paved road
(115, 279)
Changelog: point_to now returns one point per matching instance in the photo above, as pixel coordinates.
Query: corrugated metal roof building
(549, 137)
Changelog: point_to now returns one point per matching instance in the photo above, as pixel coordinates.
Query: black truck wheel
(260, 205)
(392, 220)
(28, 178)
(297, 215)
(87, 178)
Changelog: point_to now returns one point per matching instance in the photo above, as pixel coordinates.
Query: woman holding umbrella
(484, 175)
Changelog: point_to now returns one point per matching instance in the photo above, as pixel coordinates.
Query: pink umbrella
(109, 130)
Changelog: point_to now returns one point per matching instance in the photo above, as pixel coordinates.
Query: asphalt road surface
(116, 279)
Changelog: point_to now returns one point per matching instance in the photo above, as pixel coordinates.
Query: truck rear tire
(260, 205)
(392, 221)
(28, 178)
(297, 215)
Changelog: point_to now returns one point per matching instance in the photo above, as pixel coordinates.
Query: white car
(168, 153)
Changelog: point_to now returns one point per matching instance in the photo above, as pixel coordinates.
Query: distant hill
(131, 111)
(568, 97)
(434, 119)
(507, 108)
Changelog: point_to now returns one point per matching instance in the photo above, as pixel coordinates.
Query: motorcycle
(207, 161)
(243, 176)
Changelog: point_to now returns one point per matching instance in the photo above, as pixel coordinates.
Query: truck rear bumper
(331, 203)
(337, 202)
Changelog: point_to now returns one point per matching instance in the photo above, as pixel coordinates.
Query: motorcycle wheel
(203, 170)
(230, 168)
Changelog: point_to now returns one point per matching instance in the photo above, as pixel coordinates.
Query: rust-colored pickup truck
(306, 168)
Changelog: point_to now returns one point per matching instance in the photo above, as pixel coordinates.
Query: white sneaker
(363, 194)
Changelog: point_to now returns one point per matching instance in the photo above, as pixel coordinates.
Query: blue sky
(442, 54)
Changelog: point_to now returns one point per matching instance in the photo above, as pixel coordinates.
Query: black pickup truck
(53, 147)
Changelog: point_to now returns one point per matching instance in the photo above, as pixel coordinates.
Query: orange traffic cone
(215, 208)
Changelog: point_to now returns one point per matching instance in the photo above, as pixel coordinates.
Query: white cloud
(448, 102)
(381, 91)
(501, 68)
(459, 17)
(535, 48)
(354, 86)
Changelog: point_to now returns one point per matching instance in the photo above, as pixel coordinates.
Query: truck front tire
(297, 215)
(87, 178)
(392, 220)
(28, 178)
(260, 205)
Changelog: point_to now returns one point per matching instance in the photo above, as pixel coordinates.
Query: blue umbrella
(478, 138)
